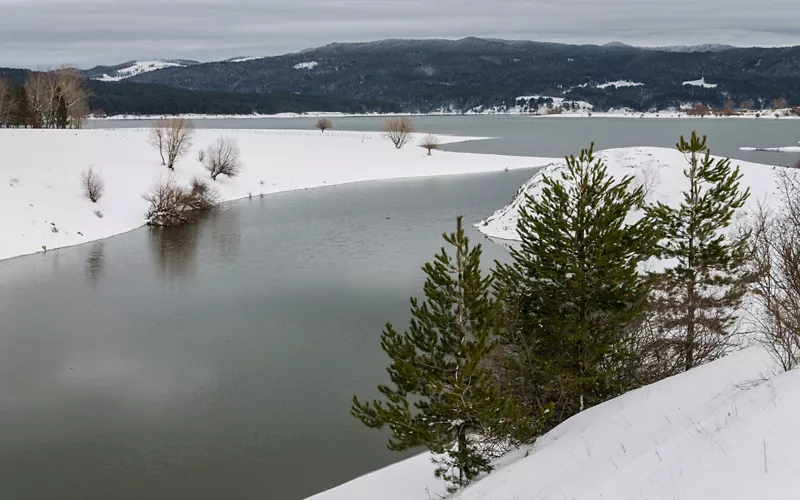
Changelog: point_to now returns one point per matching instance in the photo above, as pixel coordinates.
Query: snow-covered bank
(724, 430)
(42, 205)
(581, 112)
(659, 169)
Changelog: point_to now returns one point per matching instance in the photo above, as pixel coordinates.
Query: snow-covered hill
(726, 430)
(127, 70)
(660, 170)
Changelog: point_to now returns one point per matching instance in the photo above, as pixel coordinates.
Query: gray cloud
(89, 32)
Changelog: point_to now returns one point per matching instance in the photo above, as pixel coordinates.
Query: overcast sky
(89, 32)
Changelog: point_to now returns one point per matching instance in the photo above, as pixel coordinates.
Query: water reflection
(95, 263)
(174, 251)
(226, 233)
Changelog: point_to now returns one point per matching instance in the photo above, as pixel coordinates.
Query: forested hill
(115, 98)
(423, 75)
(152, 99)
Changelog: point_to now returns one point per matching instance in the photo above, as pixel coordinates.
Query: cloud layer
(89, 32)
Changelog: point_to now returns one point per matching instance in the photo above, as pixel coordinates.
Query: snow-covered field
(42, 205)
(726, 430)
(659, 169)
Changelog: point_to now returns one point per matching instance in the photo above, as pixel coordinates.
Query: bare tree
(776, 257)
(778, 103)
(172, 137)
(323, 124)
(92, 184)
(430, 142)
(48, 88)
(222, 158)
(399, 131)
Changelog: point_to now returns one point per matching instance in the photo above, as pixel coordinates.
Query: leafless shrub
(92, 184)
(776, 257)
(222, 158)
(430, 142)
(399, 131)
(323, 124)
(201, 156)
(554, 111)
(173, 205)
(99, 214)
(203, 195)
(172, 138)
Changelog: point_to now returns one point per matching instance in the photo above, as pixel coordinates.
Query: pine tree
(698, 297)
(438, 367)
(574, 288)
(21, 114)
(62, 119)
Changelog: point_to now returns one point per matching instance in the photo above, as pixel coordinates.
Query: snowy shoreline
(751, 115)
(42, 206)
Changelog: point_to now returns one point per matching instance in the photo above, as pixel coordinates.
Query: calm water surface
(219, 360)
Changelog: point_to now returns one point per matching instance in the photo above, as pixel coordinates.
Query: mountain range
(458, 75)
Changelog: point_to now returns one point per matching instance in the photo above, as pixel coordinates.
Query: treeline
(116, 98)
(45, 99)
(492, 361)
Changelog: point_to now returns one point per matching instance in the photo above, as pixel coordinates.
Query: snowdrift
(724, 430)
(659, 170)
(42, 205)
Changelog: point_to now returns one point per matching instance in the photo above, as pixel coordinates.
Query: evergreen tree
(439, 367)
(574, 288)
(21, 114)
(62, 119)
(698, 297)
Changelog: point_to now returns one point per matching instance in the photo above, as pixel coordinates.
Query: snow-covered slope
(137, 68)
(41, 203)
(660, 170)
(701, 83)
(726, 430)
(619, 84)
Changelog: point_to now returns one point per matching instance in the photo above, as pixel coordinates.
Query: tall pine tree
(698, 297)
(62, 118)
(438, 368)
(574, 288)
(21, 114)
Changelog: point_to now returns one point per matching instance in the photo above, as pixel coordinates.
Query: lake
(556, 136)
(218, 360)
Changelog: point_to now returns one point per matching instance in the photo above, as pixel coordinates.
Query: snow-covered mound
(620, 84)
(660, 170)
(701, 83)
(137, 68)
(41, 202)
(726, 430)
(306, 65)
(242, 59)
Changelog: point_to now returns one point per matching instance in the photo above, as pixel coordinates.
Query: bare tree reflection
(175, 251)
(226, 234)
(95, 263)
